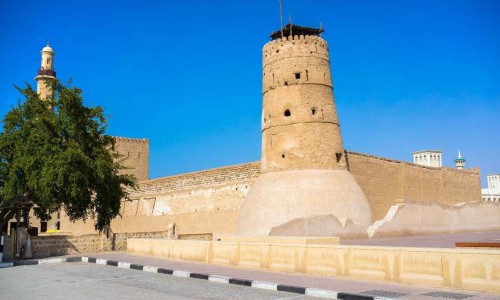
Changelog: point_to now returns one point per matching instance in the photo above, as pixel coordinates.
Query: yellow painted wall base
(477, 270)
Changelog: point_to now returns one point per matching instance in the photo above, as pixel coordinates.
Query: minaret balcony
(47, 72)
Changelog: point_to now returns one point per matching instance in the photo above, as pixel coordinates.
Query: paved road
(90, 281)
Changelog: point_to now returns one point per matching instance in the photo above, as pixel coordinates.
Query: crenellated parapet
(279, 47)
(130, 140)
(135, 153)
(294, 60)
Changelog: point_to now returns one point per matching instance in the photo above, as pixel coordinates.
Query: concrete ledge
(298, 240)
(463, 269)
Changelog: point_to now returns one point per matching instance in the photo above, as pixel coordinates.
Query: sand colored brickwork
(300, 126)
(136, 155)
(384, 181)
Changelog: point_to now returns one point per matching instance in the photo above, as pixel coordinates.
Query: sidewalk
(388, 290)
(427, 241)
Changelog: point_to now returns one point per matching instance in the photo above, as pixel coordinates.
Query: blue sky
(408, 75)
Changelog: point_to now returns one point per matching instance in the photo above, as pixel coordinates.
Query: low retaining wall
(45, 246)
(477, 270)
(59, 244)
(120, 239)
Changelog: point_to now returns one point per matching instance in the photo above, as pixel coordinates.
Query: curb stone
(215, 278)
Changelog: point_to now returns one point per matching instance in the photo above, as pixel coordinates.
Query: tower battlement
(293, 60)
(297, 40)
(136, 156)
(130, 140)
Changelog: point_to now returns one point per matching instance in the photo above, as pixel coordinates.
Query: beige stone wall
(65, 244)
(202, 202)
(119, 240)
(55, 245)
(136, 155)
(477, 270)
(384, 181)
(209, 201)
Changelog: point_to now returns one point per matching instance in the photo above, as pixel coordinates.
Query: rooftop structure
(429, 158)
(292, 30)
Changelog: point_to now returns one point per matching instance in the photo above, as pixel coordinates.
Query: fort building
(304, 170)
(303, 163)
(306, 184)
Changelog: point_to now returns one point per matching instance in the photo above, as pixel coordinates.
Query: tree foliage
(57, 153)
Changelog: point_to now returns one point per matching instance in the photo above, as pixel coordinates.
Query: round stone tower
(304, 171)
(46, 73)
(300, 127)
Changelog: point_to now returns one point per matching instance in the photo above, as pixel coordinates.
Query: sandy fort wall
(201, 202)
(209, 201)
(385, 181)
(136, 155)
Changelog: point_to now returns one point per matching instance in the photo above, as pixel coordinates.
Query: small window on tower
(287, 113)
(48, 61)
(297, 75)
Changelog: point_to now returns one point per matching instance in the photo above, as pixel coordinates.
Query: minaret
(460, 161)
(303, 166)
(46, 73)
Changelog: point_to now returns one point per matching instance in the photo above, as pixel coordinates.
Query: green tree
(56, 152)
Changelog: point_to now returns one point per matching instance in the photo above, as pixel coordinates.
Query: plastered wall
(384, 181)
(202, 202)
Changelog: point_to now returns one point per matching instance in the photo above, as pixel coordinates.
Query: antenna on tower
(290, 24)
(320, 28)
(281, 18)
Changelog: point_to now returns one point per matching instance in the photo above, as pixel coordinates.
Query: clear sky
(408, 75)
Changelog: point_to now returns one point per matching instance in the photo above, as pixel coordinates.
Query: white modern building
(492, 192)
(430, 158)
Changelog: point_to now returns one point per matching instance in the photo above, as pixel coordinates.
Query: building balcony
(47, 72)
